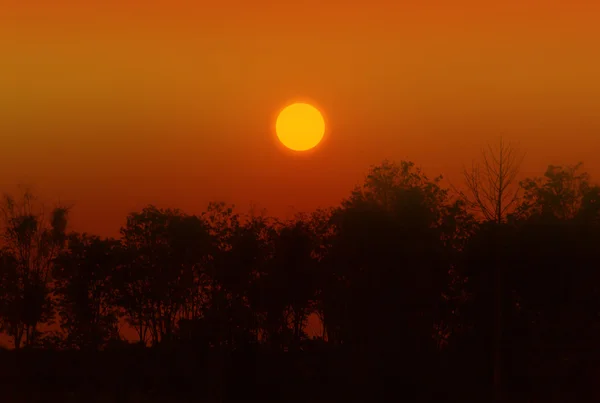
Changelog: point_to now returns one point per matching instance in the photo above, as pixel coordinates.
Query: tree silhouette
(222, 304)
(241, 251)
(556, 282)
(290, 282)
(32, 244)
(561, 193)
(389, 250)
(493, 191)
(492, 187)
(419, 296)
(85, 295)
(153, 278)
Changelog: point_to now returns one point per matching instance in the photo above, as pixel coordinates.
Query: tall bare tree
(492, 188)
(493, 191)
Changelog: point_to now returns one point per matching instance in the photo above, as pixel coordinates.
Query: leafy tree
(548, 290)
(157, 270)
(223, 224)
(86, 299)
(390, 258)
(554, 277)
(192, 247)
(32, 241)
(562, 193)
(290, 282)
(241, 248)
(320, 225)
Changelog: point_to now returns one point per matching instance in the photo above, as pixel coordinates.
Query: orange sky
(114, 105)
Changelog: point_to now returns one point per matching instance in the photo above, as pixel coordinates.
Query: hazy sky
(114, 105)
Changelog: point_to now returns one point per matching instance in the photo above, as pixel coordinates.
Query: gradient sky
(111, 105)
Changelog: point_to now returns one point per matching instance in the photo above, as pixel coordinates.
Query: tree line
(499, 279)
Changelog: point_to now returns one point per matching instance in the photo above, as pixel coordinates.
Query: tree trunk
(498, 305)
(18, 337)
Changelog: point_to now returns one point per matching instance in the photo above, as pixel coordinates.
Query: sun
(300, 126)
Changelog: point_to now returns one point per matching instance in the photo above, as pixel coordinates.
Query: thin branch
(492, 189)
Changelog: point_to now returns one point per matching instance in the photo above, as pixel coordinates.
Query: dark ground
(148, 375)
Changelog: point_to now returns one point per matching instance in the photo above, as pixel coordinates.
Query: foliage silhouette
(31, 242)
(401, 276)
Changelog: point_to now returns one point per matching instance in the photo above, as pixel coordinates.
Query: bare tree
(493, 191)
(492, 187)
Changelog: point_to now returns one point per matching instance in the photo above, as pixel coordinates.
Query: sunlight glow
(300, 127)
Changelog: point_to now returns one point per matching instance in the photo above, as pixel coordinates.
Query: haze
(115, 105)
